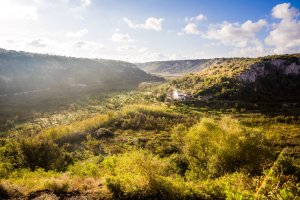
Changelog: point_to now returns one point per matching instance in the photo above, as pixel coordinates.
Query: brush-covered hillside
(135, 145)
(272, 79)
(176, 67)
(23, 73)
(34, 82)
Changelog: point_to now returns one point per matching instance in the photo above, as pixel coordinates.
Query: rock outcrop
(264, 68)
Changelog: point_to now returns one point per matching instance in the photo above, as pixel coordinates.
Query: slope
(34, 81)
(271, 79)
(175, 67)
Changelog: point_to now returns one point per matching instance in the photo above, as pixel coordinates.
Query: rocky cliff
(264, 68)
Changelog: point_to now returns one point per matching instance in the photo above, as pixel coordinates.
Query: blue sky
(147, 30)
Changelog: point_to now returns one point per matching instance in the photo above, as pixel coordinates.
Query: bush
(10, 157)
(44, 154)
(136, 175)
(141, 175)
(58, 187)
(86, 168)
(288, 166)
(214, 148)
(178, 133)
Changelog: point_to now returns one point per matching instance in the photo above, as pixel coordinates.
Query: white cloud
(11, 10)
(85, 3)
(254, 48)
(235, 34)
(121, 38)
(151, 23)
(199, 17)
(285, 35)
(78, 34)
(284, 11)
(191, 28)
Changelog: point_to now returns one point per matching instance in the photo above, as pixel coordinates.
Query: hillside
(175, 67)
(31, 82)
(134, 145)
(23, 73)
(267, 79)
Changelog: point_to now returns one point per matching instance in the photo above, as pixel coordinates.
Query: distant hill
(35, 80)
(265, 79)
(176, 67)
(22, 72)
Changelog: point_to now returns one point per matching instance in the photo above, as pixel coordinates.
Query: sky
(149, 30)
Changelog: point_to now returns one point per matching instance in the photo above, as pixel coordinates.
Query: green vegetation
(35, 83)
(133, 145)
(252, 81)
(155, 151)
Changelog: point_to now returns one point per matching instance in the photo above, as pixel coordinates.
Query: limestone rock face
(264, 68)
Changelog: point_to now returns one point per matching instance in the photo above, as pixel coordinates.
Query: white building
(178, 95)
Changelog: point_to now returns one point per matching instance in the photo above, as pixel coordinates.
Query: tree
(214, 148)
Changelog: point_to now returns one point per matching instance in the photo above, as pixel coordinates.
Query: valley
(237, 137)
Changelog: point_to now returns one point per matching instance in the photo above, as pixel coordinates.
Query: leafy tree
(214, 148)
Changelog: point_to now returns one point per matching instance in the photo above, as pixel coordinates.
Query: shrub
(214, 148)
(10, 157)
(58, 186)
(141, 175)
(86, 168)
(44, 154)
(289, 167)
(136, 175)
(178, 133)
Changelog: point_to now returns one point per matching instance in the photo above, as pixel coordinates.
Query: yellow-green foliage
(284, 133)
(135, 173)
(178, 133)
(213, 162)
(214, 148)
(154, 110)
(228, 68)
(145, 117)
(221, 80)
(26, 181)
(219, 72)
(10, 157)
(80, 127)
(87, 168)
(145, 151)
(141, 175)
